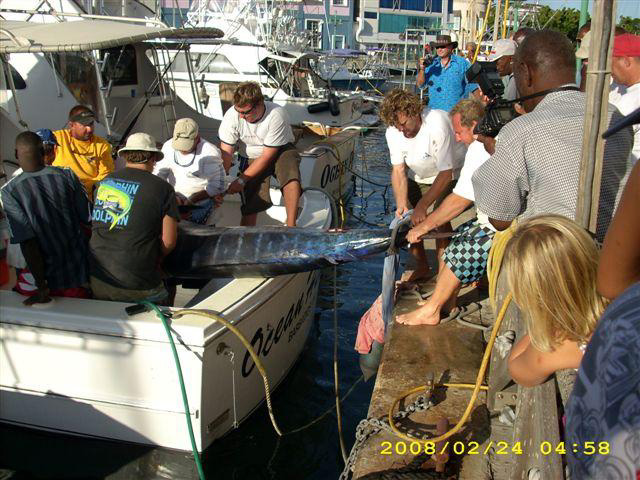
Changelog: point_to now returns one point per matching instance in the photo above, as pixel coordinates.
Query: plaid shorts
(467, 254)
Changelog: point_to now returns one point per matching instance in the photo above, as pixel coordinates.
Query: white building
(384, 22)
(467, 18)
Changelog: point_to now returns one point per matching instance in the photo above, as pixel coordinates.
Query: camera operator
(536, 165)
(502, 54)
(444, 76)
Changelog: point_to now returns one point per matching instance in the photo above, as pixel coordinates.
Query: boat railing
(57, 15)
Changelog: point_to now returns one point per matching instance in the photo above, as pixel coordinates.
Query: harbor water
(254, 450)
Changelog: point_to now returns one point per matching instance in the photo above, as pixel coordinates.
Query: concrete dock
(502, 438)
(452, 353)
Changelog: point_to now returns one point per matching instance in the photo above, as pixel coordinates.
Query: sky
(628, 8)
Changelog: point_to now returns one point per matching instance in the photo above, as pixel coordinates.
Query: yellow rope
(476, 388)
(484, 27)
(247, 344)
(494, 262)
(505, 18)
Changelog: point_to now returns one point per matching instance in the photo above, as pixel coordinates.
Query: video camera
(499, 112)
(429, 57)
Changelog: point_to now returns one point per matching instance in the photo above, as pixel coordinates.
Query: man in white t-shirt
(425, 161)
(193, 167)
(465, 259)
(266, 139)
(625, 70)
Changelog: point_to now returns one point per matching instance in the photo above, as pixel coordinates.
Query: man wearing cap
(264, 132)
(625, 93)
(194, 168)
(88, 155)
(502, 54)
(135, 224)
(445, 77)
(46, 208)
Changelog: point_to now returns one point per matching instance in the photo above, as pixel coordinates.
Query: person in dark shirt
(46, 208)
(135, 224)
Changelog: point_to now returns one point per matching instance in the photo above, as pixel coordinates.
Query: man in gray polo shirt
(536, 164)
(267, 138)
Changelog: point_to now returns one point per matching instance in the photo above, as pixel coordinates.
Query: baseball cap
(583, 51)
(184, 134)
(47, 137)
(141, 142)
(501, 48)
(85, 117)
(626, 45)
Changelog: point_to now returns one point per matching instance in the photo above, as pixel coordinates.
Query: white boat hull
(84, 367)
(120, 388)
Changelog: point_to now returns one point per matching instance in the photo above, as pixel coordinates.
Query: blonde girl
(551, 265)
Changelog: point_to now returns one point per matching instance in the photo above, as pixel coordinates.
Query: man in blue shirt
(444, 77)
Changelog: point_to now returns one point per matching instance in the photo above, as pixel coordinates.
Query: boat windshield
(77, 71)
(120, 65)
(203, 63)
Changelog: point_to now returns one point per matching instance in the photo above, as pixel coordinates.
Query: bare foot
(425, 315)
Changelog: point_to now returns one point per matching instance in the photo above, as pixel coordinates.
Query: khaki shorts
(104, 291)
(286, 168)
(417, 190)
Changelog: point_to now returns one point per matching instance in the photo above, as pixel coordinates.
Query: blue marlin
(207, 252)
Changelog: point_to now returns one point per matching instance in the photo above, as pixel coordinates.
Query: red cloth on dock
(371, 327)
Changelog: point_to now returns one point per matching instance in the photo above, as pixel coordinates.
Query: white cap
(141, 142)
(583, 51)
(501, 48)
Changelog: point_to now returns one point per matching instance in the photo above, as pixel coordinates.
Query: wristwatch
(240, 181)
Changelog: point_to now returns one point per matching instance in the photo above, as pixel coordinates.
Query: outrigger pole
(595, 118)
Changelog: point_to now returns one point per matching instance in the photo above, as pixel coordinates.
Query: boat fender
(318, 107)
(334, 104)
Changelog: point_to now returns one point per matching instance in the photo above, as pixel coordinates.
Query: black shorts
(286, 168)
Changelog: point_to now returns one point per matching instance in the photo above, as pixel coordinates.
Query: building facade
(468, 16)
(332, 22)
(384, 22)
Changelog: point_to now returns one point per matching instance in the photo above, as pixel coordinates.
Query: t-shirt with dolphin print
(130, 205)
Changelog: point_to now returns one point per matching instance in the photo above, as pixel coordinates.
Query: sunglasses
(246, 112)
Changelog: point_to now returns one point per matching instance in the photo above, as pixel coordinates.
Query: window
(18, 81)
(340, 3)
(203, 63)
(390, 23)
(370, 14)
(315, 27)
(120, 65)
(432, 6)
(337, 41)
(78, 73)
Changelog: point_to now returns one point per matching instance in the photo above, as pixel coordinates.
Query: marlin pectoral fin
(331, 260)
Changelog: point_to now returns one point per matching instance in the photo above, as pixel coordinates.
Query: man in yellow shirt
(88, 155)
